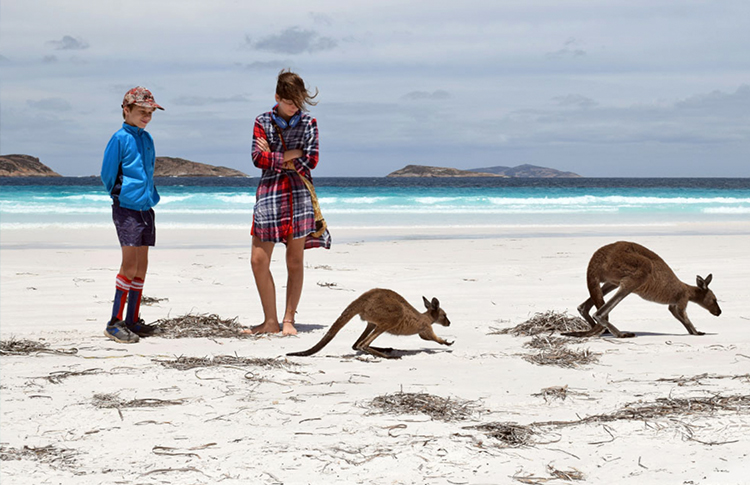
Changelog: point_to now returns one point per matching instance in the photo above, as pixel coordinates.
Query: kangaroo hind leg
(368, 330)
(364, 345)
(602, 314)
(584, 309)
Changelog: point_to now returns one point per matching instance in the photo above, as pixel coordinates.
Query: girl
(285, 147)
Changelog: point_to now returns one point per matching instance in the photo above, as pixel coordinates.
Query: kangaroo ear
(701, 283)
(708, 279)
(435, 304)
(426, 302)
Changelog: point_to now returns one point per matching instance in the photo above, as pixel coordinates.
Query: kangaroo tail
(350, 312)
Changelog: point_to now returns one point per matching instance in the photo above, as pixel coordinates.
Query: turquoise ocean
(467, 204)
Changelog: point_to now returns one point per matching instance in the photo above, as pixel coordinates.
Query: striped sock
(134, 300)
(122, 286)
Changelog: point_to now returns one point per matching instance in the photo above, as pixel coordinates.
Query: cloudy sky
(601, 88)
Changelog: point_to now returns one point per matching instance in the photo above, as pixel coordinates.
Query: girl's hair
(292, 88)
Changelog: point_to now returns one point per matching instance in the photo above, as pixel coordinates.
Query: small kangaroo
(635, 269)
(385, 311)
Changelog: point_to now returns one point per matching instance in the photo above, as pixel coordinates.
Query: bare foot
(288, 328)
(266, 327)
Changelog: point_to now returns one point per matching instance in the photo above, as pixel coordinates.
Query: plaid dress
(283, 205)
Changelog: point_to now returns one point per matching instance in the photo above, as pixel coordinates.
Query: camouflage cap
(140, 96)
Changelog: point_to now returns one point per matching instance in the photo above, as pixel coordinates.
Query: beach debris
(682, 381)
(552, 393)
(547, 342)
(187, 363)
(554, 474)
(563, 357)
(552, 350)
(58, 376)
(548, 322)
(109, 401)
(201, 326)
(665, 407)
(14, 346)
(332, 286)
(51, 455)
(436, 407)
(511, 435)
(150, 300)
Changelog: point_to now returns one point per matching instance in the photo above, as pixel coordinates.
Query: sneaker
(143, 329)
(118, 331)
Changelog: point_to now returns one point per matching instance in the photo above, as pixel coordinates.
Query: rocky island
(527, 171)
(24, 166)
(521, 171)
(427, 171)
(179, 167)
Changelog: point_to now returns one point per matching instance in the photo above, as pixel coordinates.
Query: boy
(285, 147)
(128, 175)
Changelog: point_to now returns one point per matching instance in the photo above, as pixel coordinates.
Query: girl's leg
(295, 266)
(260, 261)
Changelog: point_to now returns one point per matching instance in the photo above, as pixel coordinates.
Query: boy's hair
(129, 107)
(291, 87)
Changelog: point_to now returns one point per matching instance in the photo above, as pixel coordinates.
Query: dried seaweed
(436, 407)
(545, 342)
(563, 357)
(510, 434)
(58, 376)
(666, 407)
(566, 475)
(548, 322)
(552, 393)
(201, 326)
(109, 401)
(681, 381)
(15, 346)
(45, 454)
(187, 363)
(150, 300)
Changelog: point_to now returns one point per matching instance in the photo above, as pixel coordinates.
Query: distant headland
(521, 171)
(24, 166)
(28, 166)
(179, 167)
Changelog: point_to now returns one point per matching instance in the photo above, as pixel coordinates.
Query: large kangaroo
(636, 269)
(385, 311)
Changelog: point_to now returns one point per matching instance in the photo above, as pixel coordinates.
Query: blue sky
(601, 88)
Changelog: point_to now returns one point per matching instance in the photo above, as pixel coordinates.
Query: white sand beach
(315, 422)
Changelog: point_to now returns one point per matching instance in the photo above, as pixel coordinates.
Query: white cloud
(69, 43)
(50, 104)
(293, 40)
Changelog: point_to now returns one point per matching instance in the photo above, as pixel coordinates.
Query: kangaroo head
(706, 297)
(436, 313)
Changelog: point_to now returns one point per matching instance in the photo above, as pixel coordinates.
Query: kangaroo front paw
(449, 343)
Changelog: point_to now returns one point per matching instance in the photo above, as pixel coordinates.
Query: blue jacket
(128, 168)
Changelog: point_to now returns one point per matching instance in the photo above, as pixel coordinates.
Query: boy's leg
(260, 261)
(117, 329)
(122, 287)
(295, 266)
(136, 288)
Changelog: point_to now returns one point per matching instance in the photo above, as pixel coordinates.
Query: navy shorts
(134, 228)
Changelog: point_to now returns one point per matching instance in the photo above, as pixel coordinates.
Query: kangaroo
(635, 269)
(385, 311)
